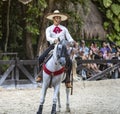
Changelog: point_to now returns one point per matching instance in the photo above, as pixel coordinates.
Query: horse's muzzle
(62, 61)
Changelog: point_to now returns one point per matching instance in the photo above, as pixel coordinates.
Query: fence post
(116, 73)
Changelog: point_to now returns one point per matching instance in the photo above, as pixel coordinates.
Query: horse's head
(61, 52)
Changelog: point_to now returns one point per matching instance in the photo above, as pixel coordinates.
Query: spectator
(113, 48)
(94, 47)
(84, 49)
(83, 56)
(108, 56)
(105, 47)
(116, 73)
(118, 49)
(92, 66)
(99, 56)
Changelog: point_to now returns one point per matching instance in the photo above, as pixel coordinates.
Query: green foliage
(76, 18)
(33, 29)
(16, 27)
(42, 4)
(33, 14)
(106, 24)
(114, 37)
(111, 14)
(107, 3)
(4, 67)
(115, 8)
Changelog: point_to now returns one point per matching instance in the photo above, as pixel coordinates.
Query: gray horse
(53, 74)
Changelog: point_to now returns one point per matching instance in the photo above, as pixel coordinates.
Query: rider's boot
(41, 59)
(39, 77)
(67, 81)
(68, 84)
(68, 73)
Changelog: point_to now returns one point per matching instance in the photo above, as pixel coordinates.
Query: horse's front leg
(55, 96)
(42, 99)
(67, 100)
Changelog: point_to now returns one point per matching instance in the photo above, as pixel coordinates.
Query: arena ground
(93, 97)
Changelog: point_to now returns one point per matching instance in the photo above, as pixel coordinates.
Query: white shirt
(63, 34)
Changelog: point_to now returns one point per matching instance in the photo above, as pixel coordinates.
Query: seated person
(105, 48)
(94, 47)
(83, 48)
(92, 66)
(101, 66)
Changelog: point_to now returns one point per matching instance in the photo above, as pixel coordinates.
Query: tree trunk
(7, 33)
(29, 48)
(42, 44)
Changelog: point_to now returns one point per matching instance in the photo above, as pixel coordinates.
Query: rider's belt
(55, 73)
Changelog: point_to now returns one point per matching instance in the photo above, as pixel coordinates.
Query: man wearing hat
(54, 34)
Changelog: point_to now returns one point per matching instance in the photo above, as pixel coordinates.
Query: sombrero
(57, 13)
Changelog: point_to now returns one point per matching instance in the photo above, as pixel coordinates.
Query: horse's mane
(64, 42)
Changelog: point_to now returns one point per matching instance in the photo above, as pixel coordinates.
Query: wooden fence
(15, 66)
(102, 74)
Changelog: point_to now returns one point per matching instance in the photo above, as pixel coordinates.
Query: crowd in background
(105, 50)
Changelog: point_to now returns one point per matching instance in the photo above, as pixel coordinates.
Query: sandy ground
(95, 97)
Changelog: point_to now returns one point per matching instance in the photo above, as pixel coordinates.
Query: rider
(54, 34)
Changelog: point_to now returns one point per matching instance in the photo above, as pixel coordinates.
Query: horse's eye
(59, 47)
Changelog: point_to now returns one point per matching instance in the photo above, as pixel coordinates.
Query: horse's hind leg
(59, 103)
(67, 100)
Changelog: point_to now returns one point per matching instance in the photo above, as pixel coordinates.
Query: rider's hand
(56, 41)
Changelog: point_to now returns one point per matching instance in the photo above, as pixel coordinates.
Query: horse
(53, 75)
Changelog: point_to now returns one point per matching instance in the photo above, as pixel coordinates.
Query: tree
(27, 23)
(110, 10)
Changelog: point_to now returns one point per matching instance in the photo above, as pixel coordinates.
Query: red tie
(57, 30)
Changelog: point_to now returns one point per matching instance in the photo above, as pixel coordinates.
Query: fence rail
(103, 73)
(99, 61)
(15, 66)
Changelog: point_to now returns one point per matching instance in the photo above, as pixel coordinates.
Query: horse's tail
(72, 83)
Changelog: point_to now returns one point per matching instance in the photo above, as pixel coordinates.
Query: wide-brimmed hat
(57, 13)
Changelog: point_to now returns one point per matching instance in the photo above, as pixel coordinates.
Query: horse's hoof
(67, 108)
(40, 109)
(53, 109)
(58, 110)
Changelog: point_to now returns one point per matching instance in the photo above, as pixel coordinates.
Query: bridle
(61, 51)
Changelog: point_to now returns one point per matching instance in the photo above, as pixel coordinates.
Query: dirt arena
(98, 97)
